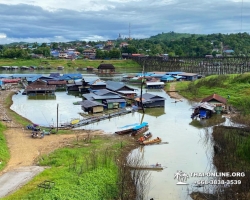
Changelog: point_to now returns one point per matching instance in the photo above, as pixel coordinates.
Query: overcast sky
(92, 20)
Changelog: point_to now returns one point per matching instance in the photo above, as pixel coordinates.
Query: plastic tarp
(203, 114)
(143, 124)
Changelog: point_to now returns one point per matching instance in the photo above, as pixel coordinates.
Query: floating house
(189, 76)
(217, 101)
(106, 68)
(158, 74)
(24, 68)
(14, 67)
(91, 106)
(85, 88)
(127, 78)
(89, 69)
(150, 101)
(36, 77)
(60, 84)
(108, 98)
(5, 67)
(203, 110)
(154, 85)
(174, 73)
(167, 78)
(74, 86)
(40, 87)
(97, 84)
(121, 88)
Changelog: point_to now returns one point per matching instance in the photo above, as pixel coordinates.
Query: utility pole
(57, 118)
(143, 76)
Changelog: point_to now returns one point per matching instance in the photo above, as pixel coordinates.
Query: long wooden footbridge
(202, 66)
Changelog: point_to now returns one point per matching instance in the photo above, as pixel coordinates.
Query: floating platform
(100, 118)
(147, 167)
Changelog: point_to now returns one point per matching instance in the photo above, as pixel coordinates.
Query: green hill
(234, 87)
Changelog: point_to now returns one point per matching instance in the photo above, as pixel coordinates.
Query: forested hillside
(176, 44)
(173, 44)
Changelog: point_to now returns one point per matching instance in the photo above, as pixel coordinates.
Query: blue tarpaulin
(143, 124)
(203, 114)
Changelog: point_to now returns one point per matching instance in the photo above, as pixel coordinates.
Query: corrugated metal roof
(205, 105)
(89, 104)
(88, 96)
(216, 97)
(116, 100)
(126, 92)
(187, 74)
(97, 82)
(149, 97)
(154, 83)
(103, 92)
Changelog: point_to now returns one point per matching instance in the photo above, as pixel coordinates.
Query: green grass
(127, 64)
(243, 149)
(82, 171)
(236, 86)
(4, 152)
(18, 118)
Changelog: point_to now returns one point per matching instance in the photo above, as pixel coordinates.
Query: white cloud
(3, 35)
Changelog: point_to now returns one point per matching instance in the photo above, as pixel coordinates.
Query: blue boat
(132, 129)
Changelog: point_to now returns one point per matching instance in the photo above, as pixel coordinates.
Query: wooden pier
(92, 120)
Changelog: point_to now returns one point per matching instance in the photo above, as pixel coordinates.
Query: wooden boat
(156, 140)
(139, 131)
(126, 131)
(145, 137)
(136, 129)
(148, 167)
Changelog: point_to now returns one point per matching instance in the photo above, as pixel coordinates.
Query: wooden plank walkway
(92, 120)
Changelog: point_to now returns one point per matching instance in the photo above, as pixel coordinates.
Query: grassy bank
(13, 115)
(86, 169)
(128, 64)
(234, 87)
(4, 152)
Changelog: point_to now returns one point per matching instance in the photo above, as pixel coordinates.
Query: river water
(187, 150)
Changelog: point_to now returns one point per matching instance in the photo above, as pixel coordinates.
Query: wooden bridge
(92, 120)
(202, 66)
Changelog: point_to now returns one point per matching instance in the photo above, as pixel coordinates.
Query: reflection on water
(155, 112)
(214, 120)
(41, 97)
(189, 148)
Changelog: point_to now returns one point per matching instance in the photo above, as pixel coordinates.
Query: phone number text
(218, 182)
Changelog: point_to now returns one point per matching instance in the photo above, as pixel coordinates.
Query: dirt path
(174, 95)
(24, 150)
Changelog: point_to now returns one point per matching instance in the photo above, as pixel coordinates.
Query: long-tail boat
(156, 140)
(133, 130)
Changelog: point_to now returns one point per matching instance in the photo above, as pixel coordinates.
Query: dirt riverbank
(24, 150)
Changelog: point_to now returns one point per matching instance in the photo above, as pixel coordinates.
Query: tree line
(173, 44)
